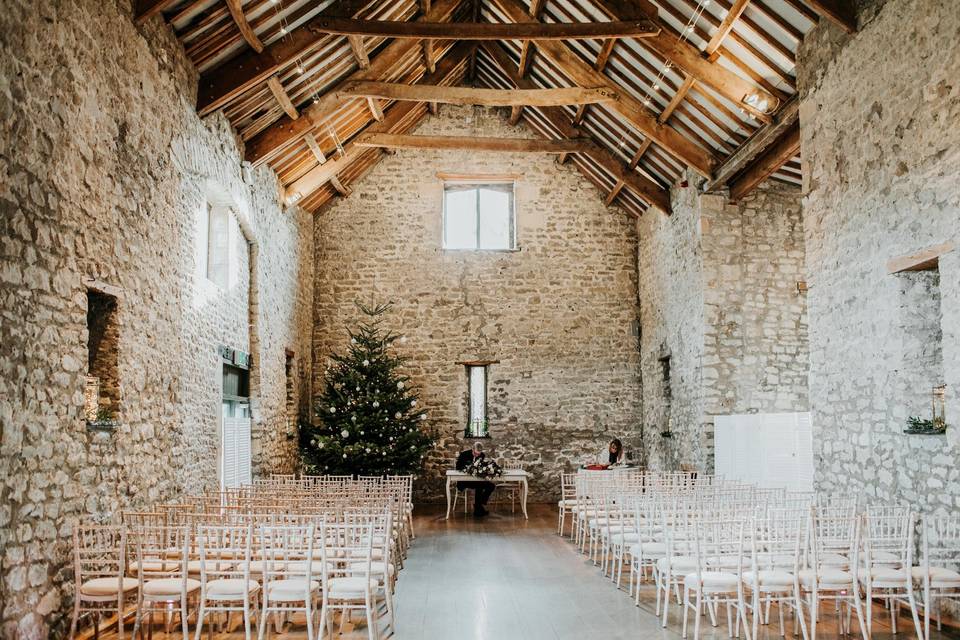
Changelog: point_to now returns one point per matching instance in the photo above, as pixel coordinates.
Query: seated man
(482, 488)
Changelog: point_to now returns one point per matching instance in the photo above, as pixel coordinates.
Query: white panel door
(235, 464)
(765, 449)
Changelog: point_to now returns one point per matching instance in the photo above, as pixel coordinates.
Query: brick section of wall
(880, 144)
(559, 314)
(105, 172)
(718, 293)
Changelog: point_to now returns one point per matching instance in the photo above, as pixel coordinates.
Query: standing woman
(615, 451)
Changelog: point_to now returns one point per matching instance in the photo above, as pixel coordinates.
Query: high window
(218, 246)
(477, 419)
(479, 216)
(102, 393)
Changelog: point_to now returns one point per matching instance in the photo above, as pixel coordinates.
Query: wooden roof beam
(628, 106)
(636, 28)
(688, 58)
(143, 10)
(643, 186)
(282, 98)
(469, 95)
(527, 49)
(286, 131)
(359, 51)
(840, 12)
(473, 143)
(236, 12)
(726, 26)
(250, 69)
(342, 189)
(774, 157)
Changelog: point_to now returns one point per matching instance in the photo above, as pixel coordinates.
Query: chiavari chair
(162, 575)
(100, 580)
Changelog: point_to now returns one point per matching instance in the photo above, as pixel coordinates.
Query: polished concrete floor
(506, 578)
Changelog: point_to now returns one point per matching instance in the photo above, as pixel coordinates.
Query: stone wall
(881, 147)
(559, 314)
(718, 295)
(105, 175)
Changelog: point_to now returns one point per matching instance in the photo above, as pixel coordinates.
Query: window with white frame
(479, 216)
(477, 426)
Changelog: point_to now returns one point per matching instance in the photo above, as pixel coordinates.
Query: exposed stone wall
(105, 174)
(718, 294)
(559, 314)
(881, 147)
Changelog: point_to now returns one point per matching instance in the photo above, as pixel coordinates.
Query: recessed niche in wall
(102, 392)
(920, 327)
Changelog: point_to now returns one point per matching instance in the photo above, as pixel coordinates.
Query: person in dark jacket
(482, 488)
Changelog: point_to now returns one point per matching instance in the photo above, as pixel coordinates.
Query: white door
(235, 463)
(765, 449)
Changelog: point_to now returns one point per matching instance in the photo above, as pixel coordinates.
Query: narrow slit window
(477, 426)
(479, 216)
(102, 392)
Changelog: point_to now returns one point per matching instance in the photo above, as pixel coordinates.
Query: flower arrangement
(484, 469)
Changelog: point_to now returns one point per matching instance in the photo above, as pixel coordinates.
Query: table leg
(448, 500)
(526, 488)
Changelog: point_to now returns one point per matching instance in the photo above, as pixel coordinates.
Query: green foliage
(370, 422)
(926, 426)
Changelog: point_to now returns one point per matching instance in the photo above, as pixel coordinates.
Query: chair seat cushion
(193, 566)
(567, 503)
(350, 587)
(376, 568)
(828, 577)
(649, 550)
(712, 581)
(231, 588)
(108, 586)
(154, 566)
(293, 589)
(885, 576)
(939, 576)
(677, 564)
(169, 586)
(770, 578)
(833, 560)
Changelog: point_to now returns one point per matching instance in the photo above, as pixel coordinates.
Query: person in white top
(614, 452)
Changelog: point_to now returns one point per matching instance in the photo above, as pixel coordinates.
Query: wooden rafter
(470, 96)
(429, 60)
(726, 26)
(236, 12)
(688, 59)
(767, 163)
(527, 48)
(250, 69)
(638, 28)
(643, 186)
(339, 187)
(599, 65)
(315, 149)
(359, 51)
(286, 131)
(473, 143)
(677, 99)
(447, 69)
(375, 111)
(629, 107)
(840, 12)
(273, 82)
(146, 9)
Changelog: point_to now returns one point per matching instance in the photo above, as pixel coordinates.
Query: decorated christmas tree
(370, 422)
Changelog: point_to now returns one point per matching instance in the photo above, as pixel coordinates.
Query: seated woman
(615, 452)
(482, 488)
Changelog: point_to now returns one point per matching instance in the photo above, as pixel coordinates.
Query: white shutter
(236, 466)
(765, 449)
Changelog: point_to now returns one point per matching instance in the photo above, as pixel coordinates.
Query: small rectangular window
(218, 246)
(479, 216)
(477, 422)
(102, 392)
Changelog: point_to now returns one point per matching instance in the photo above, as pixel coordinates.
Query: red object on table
(597, 467)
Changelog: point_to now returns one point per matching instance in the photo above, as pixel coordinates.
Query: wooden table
(518, 476)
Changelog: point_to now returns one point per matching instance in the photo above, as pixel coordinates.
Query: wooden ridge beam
(755, 145)
(143, 10)
(767, 163)
(236, 12)
(628, 106)
(726, 26)
(471, 95)
(637, 28)
(250, 69)
(473, 143)
(286, 131)
(393, 117)
(640, 184)
(282, 98)
(688, 59)
(840, 12)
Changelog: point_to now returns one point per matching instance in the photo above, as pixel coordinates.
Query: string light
(689, 28)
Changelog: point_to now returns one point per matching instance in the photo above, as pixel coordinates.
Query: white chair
(289, 584)
(568, 500)
(101, 583)
(162, 575)
(939, 572)
(775, 551)
(886, 571)
(717, 577)
(225, 583)
(349, 585)
(831, 570)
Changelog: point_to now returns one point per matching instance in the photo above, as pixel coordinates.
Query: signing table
(519, 476)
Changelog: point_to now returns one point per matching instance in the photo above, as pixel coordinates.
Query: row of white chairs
(706, 542)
